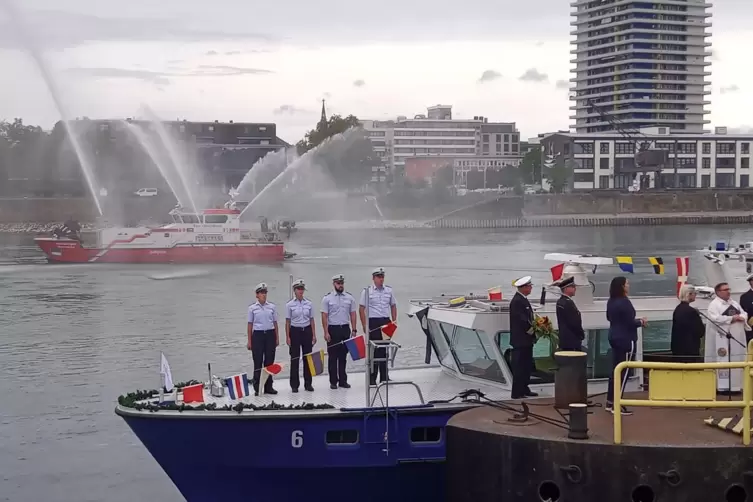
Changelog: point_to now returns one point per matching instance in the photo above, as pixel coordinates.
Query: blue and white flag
(237, 386)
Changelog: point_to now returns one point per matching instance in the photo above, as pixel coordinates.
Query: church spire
(323, 120)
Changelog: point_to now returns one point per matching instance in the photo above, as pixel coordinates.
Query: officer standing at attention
(522, 339)
(300, 334)
(339, 324)
(263, 336)
(746, 302)
(381, 306)
(569, 322)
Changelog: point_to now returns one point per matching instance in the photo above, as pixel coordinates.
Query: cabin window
(599, 363)
(542, 357)
(190, 218)
(176, 219)
(215, 218)
(426, 434)
(656, 336)
(473, 353)
(439, 341)
(349, 436)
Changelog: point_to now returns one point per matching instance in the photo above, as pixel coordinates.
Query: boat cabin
(207, 216)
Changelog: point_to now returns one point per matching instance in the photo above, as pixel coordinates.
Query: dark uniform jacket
(569, 323)
(746, 302)
(521, 322)
(687, 331)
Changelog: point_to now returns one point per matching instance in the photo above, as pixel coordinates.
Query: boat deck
(646, 427)
(435, 385)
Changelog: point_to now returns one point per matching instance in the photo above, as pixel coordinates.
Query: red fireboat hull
(71, 251)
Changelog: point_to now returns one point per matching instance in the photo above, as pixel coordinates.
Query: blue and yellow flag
(625, 263)
(315, 362)
(657, 263)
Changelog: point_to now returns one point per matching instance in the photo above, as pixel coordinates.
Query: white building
(607, 160)
(644, 63)
(438, 134)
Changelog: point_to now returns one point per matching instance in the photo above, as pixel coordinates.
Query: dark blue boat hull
(257, 458)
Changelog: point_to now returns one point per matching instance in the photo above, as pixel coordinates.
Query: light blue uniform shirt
(262, 316)
(338, 307)
(300, 312)
(380, 301)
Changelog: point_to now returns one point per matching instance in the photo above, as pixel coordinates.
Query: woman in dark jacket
(687, 328)
(623, 333)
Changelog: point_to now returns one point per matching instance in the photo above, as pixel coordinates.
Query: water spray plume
(267, 168)
(29, 43)
(150, 149)
(179, 163)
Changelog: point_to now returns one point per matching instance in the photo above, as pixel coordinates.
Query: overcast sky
(274, 61)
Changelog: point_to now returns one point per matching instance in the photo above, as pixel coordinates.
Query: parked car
(146, 192)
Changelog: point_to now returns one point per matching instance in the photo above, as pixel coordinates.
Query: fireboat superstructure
(209, 236)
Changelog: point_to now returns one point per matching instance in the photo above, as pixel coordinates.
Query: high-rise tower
(643, 62)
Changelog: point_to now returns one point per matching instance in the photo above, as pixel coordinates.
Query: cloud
(224, 70)
(290, 110)
(359, 83)
(562, 84)
(534, 75)
(729, 89)
(488, 76)
(145, 75)
(232, 53)
(211, 53)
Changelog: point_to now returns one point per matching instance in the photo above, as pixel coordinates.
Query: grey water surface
(74, 337)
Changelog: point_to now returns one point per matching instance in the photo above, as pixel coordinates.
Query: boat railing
(687, 385)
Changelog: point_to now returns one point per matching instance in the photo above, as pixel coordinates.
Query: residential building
(645, 63)
(437, 134)
(607, 160)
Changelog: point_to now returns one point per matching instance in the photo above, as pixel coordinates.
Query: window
(745, 163)
(584, 163)
(342, 437)
(584, 148)
(745, 148)
(706, 163)
(603, 147)
(624, 148)
(542, 357)
(603, 182)
(583, 177)
(473, 353)
(706, 148)
(725, 148)
(656, 336)
(440, 343)
(499, 138)
(426, 435)
(725, 180)
(215, 218)
(688, 148)
(603, 163)
(706, 181)
(744, 180)
(725, 162)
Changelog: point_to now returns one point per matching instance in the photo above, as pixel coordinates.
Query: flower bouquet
(542, 328)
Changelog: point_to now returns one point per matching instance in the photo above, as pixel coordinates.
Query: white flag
(164, 369)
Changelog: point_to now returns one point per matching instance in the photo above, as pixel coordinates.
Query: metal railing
(681, 401)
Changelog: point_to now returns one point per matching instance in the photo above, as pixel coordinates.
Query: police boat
(384, 442)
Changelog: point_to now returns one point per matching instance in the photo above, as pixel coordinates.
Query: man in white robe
(726, 316)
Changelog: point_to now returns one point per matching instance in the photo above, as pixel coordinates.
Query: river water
(74, 337)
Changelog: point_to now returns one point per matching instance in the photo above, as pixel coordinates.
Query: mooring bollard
(578, 423)
(570, 379)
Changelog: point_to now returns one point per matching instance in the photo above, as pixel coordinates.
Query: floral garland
(133, 400)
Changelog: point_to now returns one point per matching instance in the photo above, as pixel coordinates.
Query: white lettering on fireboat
(155, 251)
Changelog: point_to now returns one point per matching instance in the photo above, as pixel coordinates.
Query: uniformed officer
(263, 336)
(300, 334)
(569, 322)
(522, 338)
(378, 303)
(339, 324)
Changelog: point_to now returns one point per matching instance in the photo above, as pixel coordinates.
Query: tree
(530, 166)
(559, 175)
(348, 160)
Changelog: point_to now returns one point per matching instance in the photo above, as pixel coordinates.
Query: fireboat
(207, 236)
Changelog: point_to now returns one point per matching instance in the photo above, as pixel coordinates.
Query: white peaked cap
(338, 277)
(299, 284)
(261, 286)
(523, 281)
(378, 271)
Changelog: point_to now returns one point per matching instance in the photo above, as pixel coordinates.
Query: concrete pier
(667, 455)
(598, 220)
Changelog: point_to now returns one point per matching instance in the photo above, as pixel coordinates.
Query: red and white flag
(557, 271)
(388, 330)
(683, 270)
(268, 371)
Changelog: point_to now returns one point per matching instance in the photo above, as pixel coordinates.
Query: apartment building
(607, 160)
(437, 134)
(644, 63)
